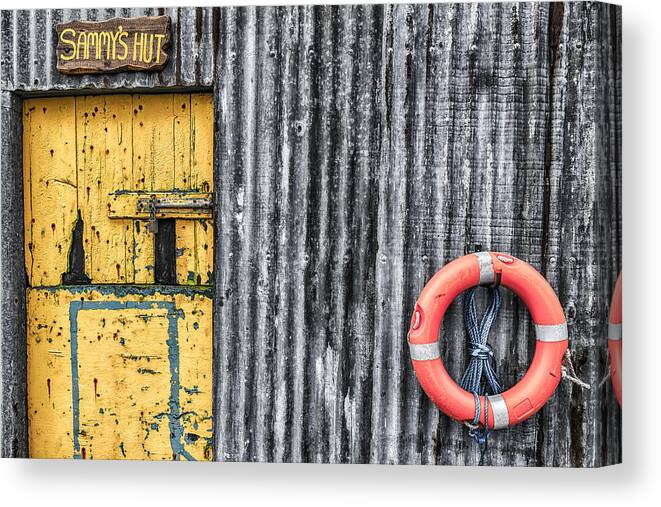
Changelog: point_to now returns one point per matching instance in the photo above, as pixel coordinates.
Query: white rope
(569, 373)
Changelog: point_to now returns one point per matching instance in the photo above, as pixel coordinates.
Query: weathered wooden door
(119, 258)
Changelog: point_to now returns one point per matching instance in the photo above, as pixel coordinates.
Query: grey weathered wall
(13, 345)
(362, 148)
(359, 149)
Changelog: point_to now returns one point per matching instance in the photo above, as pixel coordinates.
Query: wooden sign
(113, 45)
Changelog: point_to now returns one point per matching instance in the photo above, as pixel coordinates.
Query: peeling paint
(111, 390)
(103, 248)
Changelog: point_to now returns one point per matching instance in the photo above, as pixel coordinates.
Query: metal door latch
(167, 205)
(156, 205)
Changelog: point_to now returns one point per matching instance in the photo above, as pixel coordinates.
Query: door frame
(13, 282)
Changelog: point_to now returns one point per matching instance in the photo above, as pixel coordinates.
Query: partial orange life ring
(615, 339)
(539, 382)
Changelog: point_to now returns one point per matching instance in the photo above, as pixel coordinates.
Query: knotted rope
(480, 376)
(569, 373)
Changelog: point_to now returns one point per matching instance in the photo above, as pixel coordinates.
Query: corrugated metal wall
(13, 346)
(360, 148)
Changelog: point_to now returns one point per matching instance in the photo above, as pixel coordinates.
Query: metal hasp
(192, 204)
(156, 207)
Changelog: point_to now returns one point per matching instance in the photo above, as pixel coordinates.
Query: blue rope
(480, 377)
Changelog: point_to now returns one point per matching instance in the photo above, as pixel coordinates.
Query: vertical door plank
(90, 143)
(119, 165)
(187, 269)
(195, 238)
(104, 164)
(181, 129)
(194, 252)
(143, 253)
(204, 252)
(202, 142)
(50, 183)
(202, 138)
(153, 138)
(187, 266)
(153, 165)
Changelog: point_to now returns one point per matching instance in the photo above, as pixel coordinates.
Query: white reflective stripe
(615, 331)
(486, 268)
(551, 333)
(424, 351)
(501, 417)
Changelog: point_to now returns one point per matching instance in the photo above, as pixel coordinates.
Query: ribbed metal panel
(13, 349)
(360, 148)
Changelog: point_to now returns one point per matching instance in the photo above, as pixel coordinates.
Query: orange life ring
(537, 385)
(615, 339)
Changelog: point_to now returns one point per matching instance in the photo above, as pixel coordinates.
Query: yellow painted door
(119, 257)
